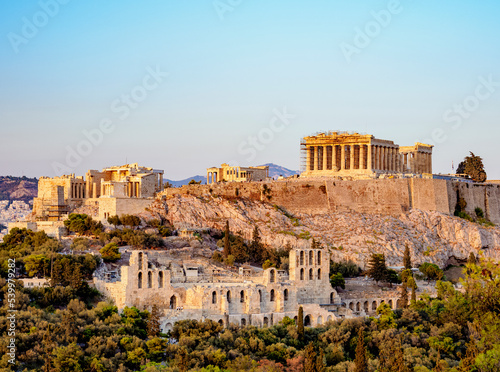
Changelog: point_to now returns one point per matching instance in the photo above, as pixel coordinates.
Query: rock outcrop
(432, 236)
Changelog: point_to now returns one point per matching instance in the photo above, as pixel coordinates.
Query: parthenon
(362, 155)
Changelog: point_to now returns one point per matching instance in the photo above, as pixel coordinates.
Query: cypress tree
(320, 364)
(309, 358)
(300, 323)
(360, 361)
(404, 296)
(407, 258)
(227, 248)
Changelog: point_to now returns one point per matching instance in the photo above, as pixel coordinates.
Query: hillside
(18, 188)
(431, 236)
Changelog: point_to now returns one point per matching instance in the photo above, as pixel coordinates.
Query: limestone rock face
(432, 236)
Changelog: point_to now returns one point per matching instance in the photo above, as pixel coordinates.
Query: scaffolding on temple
(303, 155)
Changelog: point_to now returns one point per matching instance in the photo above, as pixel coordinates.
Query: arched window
(319, 257)
(150, 279)
(285, 295)
(311, 274)
(260, 295)
(332, 297)
(160, 279)
(242, 296)
(243, 322)
(319, 274)
(228, 296)
(266, 321)
(307, 321)
(214, 297)
(272, 295)
(140, 260)
(272, 276)
(311, 258)
(301, 257)
(173, 302)
(139, 280)
(302, 274)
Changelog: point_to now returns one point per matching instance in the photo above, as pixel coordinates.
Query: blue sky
(205, 77)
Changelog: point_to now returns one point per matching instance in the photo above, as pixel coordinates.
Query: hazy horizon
(183, 87)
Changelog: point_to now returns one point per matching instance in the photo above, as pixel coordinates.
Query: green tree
(114, 220)
(404, 296)
(256, 247)
(431, 271)
(360, 360)
(377, 269)
(130, 220)
(227, 247)
(337, 280)
(473, 167)
(309, 358)
(407, 258)
(320, 361)
(300, 323)
(110, 252)
(154, 322)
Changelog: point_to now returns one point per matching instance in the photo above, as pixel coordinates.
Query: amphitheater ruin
(186, 289)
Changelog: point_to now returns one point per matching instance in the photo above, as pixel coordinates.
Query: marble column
(369, 165)
(325, 157)
(351, 153)
(315, 158)
(362, 164)
(394, 169)
(334, 156)
(342, 157)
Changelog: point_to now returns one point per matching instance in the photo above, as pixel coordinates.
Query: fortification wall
(381, 196)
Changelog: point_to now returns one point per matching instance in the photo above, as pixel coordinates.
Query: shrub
(479, 212)
(110, 253)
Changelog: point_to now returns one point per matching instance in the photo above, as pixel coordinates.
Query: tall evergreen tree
(227, 247)
(407, 258)
(300, 323)
(309, 358)
(360, 361)
(377, 269)
(256, 249)
(320, 361)
(404, 296)
(153, 326)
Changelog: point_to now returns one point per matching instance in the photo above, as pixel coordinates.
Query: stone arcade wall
(262, 299)
(380, 196)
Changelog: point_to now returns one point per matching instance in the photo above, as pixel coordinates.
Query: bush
(110, 253)
(348, 269)
(479, 212)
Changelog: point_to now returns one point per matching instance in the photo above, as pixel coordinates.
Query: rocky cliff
(431, 236)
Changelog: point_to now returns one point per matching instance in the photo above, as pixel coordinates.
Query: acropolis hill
(358, 179)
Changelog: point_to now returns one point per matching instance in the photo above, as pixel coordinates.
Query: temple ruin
(227, 173)
(362, 156)
(117, 190)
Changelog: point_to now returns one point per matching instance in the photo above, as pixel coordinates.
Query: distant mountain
(18, 188)
(203, 180)
(274, 171)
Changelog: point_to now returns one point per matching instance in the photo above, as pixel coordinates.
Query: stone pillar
(342, 157)
(369, 164)
(394, 168)
(315, 158)
(334, 156)
(381, 158)
(430, 162)
(362, 157)
(351, 161)
(325, 158)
